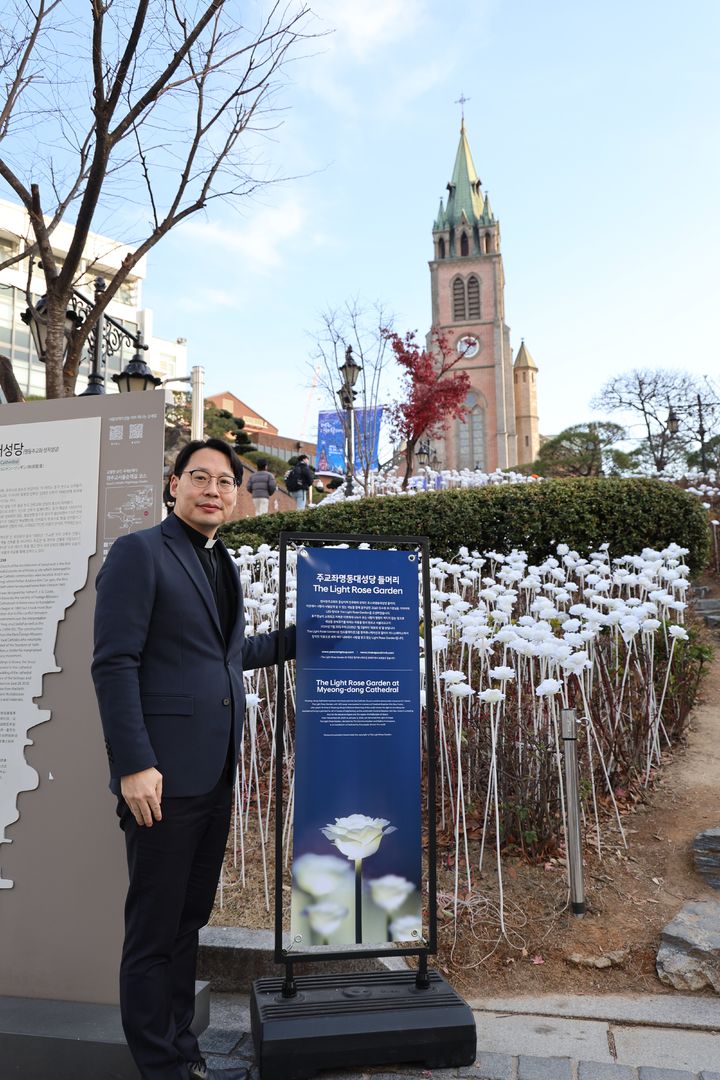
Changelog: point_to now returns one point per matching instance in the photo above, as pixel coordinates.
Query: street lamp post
(37, 325)
(104, 340)
(423, 453)
(137, 375)
(349, 371)
(96, 382)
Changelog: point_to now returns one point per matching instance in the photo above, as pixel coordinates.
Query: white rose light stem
(269, 696)
(591, 729)
(237, 819)
(460, 800)
(445, 766)
(493, 793)
(252, 724)
(667, 675)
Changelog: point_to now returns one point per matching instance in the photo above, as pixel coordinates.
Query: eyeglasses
(200, 478)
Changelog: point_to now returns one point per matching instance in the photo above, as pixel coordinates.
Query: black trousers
(174, 868)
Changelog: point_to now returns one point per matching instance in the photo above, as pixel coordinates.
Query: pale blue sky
(595, 128)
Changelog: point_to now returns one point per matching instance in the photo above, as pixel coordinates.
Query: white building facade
(102, 258)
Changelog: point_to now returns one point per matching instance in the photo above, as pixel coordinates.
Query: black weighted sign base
(344, 1021)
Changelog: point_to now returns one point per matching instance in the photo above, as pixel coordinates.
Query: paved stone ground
(673, 1037)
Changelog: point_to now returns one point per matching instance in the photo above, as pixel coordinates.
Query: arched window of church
(458, 297)
(470, 435)
(464, 246)
(485, 244)
(441, 247)
(473, 297)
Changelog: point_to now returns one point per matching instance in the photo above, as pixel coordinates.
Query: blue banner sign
(331, 442)
(357, 838)
(367, 437)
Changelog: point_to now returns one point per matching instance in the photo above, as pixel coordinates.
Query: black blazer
(170, 692)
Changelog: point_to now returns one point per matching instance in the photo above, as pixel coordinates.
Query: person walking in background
(299, 480)
(261, 485)
(170, 652)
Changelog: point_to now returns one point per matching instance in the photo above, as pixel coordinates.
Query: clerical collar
(197, 539)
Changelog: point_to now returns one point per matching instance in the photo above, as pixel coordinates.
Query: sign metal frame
(290, 956)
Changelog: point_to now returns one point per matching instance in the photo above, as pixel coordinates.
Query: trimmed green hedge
(584, 513)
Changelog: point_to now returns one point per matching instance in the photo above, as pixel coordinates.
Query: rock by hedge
(628, 514)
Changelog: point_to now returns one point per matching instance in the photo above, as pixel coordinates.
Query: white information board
(48, 524)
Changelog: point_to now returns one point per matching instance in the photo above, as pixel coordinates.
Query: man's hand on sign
(142, 791)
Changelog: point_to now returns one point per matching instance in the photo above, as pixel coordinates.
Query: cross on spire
(461, 102)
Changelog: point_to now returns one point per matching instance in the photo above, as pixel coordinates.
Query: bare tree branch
(651, 394)
(196, 75)
(25, 50)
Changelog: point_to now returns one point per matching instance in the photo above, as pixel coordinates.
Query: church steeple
(465, 225)
(465, 199)
(467, 283)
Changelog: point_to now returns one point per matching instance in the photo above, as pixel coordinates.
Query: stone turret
(526, 408)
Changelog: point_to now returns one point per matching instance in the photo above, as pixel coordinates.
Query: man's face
(206, 507)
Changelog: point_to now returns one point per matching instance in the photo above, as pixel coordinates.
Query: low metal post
(572, 799)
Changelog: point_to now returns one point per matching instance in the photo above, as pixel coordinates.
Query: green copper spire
(440, 222)
(489, 216)
(465, 193)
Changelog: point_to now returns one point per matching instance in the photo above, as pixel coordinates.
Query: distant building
(102, 258)
(264, 435)
(468, 308)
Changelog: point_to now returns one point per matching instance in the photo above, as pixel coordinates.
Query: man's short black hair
(261, 463)
(187, 452)
(184, 455)
(303, 457)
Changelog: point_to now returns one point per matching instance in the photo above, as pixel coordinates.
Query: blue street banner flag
(331, 442)
(357, 827)
(367, 437)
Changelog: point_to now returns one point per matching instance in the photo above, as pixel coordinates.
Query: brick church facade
(500, 429)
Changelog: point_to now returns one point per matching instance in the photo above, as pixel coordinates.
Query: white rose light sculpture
(358, 837)
(530, 636)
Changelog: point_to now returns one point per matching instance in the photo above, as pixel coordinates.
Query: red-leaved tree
(434, 394)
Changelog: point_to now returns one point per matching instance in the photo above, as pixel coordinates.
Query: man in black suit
(170, 651)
